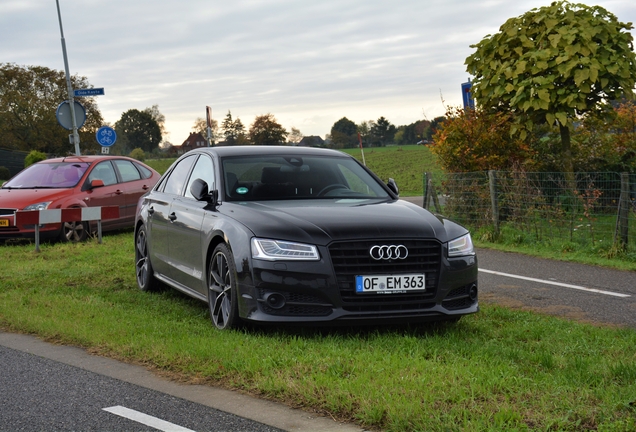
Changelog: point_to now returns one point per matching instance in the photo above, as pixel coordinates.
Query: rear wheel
(74, 231)
(222, 292)
(143, 267)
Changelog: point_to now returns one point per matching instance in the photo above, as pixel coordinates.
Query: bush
(138, 154)
(33, 157)
(478, 140)
(5, 174)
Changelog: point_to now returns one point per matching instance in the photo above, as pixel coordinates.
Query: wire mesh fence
(587, 209)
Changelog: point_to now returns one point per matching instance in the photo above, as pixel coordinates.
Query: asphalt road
(46, 387)
(574, 291)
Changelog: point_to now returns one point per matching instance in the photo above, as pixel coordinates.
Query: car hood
(20, 198)
(324, 221)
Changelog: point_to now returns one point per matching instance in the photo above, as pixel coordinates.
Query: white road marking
(146, 419)
(593, 290)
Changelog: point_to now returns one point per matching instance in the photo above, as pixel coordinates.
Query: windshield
(48, 175)
(252, 178)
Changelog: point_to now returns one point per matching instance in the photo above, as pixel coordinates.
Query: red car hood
(20, 198)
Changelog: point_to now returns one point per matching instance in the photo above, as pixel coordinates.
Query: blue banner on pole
(467, 96)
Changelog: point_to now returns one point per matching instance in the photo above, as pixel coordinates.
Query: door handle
(172, 217)
(118, 192)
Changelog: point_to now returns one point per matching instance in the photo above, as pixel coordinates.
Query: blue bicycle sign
(106, 136)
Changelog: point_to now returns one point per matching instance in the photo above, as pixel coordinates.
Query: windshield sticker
(241, 190)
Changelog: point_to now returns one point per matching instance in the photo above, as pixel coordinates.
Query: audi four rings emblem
(388, 252)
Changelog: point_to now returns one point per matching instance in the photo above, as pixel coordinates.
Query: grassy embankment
(497, 370)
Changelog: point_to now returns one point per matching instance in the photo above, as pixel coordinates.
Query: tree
(295, 136)
(344, 133)
(364, 129)
(382, 131)
(201, 126)
(267, 131)
(137, 129)
(161, 121)
(554, 64)
(29, 97)
(479, 140)
(234, 130)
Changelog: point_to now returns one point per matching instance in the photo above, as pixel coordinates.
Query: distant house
(195, 140)
(311, 141)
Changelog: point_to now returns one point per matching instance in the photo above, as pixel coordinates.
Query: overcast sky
(309, 63)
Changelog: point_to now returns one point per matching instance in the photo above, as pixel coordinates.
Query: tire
(73, 232)
(143, 267)
(222, 292)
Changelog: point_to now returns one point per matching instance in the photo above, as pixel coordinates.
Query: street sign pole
(75, 135)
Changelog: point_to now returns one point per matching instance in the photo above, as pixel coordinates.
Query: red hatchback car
(74, 182)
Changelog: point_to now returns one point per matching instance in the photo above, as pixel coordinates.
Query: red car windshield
(48, 175)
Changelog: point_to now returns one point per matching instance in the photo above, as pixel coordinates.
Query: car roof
(223, 151)
(86, 159)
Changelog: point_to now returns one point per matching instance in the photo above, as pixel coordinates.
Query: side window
(105, 172)
(145, 172)
(204, 170)
(127, 170)
(179, 175)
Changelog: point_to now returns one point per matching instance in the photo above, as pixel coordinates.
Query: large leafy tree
(554, 64)
(137, 129)
(267, 131)
(29, 97)
(201, 126)
(344, 133)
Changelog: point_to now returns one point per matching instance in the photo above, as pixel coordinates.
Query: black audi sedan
(271, 234)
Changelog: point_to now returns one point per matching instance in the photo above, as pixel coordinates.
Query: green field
(405, 164)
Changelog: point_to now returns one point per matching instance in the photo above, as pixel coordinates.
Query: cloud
(309, 64)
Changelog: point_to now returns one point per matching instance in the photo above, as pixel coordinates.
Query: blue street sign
(63, 114)
(467, 96)
(106, 136)
(88, 92)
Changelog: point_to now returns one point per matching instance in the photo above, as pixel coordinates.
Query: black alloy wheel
(143, 267)
(74, 232)
(222, 295)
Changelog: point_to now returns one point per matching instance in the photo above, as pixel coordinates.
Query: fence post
(492, 180)
(622, 222)
(427, 178)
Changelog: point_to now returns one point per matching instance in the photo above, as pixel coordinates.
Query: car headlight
(38, 206)
(274, 250)
(461, 246)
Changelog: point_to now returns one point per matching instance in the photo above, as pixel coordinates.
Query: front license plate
(388, 284)
(4, 222)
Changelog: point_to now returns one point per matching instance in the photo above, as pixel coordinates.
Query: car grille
(7, 212)
(352, 258)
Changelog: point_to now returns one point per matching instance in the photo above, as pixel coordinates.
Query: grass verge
(497, 370)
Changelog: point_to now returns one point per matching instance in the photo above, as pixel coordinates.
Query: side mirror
(393, 186)
(200, 192)
(97, 183)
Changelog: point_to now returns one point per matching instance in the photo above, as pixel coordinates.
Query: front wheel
(222, 292)
(74, 232)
